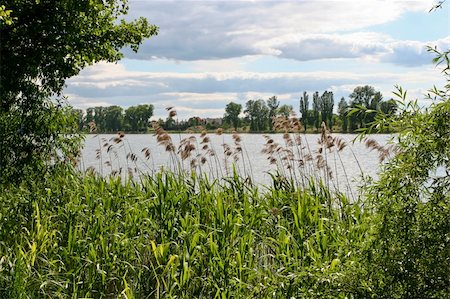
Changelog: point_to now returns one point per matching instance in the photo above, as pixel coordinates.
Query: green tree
(304, 109)
(114, 118)
(46, 43)
(272, 104)
(342, 111)
(232, 111)
(89, 117)
(138, 117)
(316, 110)
(369, 99)
(78, 115)
(388, 107)
(51, 41)
(257, 114)
(285, 110)
(326, 104)
(411, 205)
(99, 118)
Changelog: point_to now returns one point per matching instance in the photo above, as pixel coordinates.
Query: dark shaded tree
(316, 110)
(342, 112)
(285, 110)
(367, 98)
(304, 109)
(231, 117)
(389, 107)
(114, 119)
(137, 117)
(326, 104)
(272, 104)
(257, 114)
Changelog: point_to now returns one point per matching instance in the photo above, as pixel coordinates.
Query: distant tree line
(256, 116)
(114, 118)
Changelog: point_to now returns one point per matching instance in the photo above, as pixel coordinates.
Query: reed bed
(174, 236)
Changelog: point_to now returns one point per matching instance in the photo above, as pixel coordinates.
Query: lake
(295, 156)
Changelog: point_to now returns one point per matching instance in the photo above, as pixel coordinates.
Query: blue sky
(209, 53)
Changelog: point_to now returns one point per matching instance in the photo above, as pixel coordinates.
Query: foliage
(5, 16)
(32, 139)
(316, 110)
(173, 236)
(342, 111)
(51, 41)
(326, 108)
(138, 117)
(257, 113)
(46, 43)
(285, 110)
(304, 108)
(272, 104)
(232, 111)
(409, 251)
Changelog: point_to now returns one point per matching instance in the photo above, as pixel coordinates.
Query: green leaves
(42, 44)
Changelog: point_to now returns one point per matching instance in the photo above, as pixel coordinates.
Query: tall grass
(172, 236)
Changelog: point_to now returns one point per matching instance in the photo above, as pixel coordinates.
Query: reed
(172, 235)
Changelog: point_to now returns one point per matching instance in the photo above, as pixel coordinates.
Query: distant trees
(137, 117)
(365, 103)
(342, 112)
(285, 110)
(231, 116)
(322, 109)
(272, 104)
(326, 105)
(362, 108)
(257, 114)
(115, 118)
(304, 108)
(316, 110)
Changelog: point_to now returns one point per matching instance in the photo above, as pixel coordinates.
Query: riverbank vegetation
(180, 234)
(258, 115)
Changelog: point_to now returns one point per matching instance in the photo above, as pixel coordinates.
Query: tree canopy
(43, 43)
(50, 41)
(232, 111)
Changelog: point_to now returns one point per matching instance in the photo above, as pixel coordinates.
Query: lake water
(298, 157)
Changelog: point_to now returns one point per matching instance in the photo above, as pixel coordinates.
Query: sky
(209, 53)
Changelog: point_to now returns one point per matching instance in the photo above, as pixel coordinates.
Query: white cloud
(301, 30)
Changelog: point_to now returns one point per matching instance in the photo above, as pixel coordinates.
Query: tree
(389, 107)
(285, 110)
(50, 41)
(45, 43)
(304, 108)
(272, 104)
(342, 111)
(326, 104)
(257, 114)
(89, 117)
(114, 118)
(316, 110)
(232, 111)
(78, 116)
(99, 118)
(368, 98)
(138, 117)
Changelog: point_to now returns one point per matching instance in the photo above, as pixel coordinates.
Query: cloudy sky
(209, 53)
